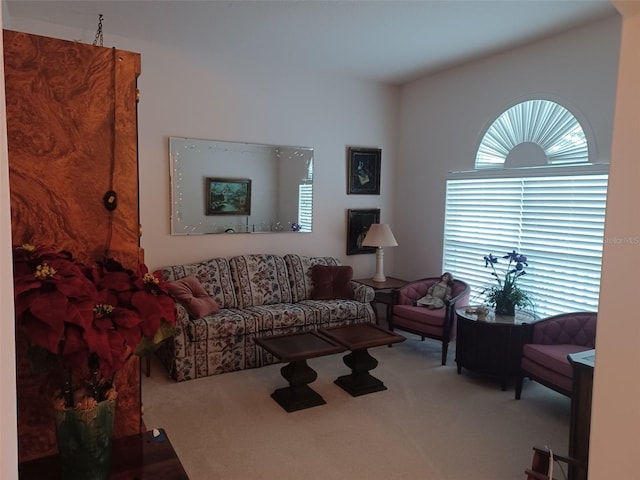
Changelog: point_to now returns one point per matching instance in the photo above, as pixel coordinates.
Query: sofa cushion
(260, 279)
(546, 376)
(272, 318)
(214, 275)
(229, 322)
(340, 312)
(419, 314)
(190, 293)
(332, 282)
(299, 270)
(552, 357)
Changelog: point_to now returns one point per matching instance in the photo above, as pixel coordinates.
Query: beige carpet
(431, 423)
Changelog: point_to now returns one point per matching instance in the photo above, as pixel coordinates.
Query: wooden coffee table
(358, 338)
(296, 348)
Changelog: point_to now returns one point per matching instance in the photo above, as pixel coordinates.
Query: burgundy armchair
(544, 356)
(439, 323)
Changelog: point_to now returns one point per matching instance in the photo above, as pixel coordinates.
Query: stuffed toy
(438, 293)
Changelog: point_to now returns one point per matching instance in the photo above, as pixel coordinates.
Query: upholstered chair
(544, 356)
(439, 323)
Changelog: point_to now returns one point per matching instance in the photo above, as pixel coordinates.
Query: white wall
(227, 99)
(614, 448)
(443, 118)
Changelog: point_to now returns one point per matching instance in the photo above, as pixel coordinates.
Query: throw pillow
(190, 293)
(332, 282)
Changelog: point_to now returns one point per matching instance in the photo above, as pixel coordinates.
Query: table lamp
(379, 235)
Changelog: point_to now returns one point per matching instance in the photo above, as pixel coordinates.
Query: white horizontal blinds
(562, 233)
(305, 206)
(482, 216)
(545, 123)
(556, 221)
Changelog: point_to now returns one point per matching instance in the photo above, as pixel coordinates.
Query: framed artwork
(358, 224)
(364, 171)
(228, 196)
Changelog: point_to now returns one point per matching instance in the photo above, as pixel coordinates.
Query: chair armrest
(462, 297)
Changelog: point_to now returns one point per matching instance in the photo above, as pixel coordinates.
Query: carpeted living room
(327, 82)
(429, 423)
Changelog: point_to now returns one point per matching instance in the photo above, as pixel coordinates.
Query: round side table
(492, 346)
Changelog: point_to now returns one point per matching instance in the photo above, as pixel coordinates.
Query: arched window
(512, 137)
(535, 191)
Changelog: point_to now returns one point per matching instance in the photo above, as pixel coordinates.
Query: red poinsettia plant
(85, 321)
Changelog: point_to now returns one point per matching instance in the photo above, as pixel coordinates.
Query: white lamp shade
(379, 235)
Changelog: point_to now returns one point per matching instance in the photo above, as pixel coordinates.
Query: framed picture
(228, 196)
(359, 222)
(364, 171)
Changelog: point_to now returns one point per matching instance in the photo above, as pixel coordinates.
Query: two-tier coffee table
(358, 338)
(297, 348)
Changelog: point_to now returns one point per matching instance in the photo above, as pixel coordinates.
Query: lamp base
(379, 276)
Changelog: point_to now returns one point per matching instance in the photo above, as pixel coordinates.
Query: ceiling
(391, 41)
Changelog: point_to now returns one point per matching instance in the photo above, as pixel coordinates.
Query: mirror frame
(268, 172)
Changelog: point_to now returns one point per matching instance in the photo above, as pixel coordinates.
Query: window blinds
(556, 221)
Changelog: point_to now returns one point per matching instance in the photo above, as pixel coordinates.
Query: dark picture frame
(358, 223)
(364, 171)
(228, 196)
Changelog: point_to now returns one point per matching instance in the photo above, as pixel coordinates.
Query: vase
(505, 307)
(84, 441)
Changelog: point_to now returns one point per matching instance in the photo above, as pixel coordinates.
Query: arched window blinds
(545, 123)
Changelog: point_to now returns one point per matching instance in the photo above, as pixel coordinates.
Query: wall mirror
(230, 187)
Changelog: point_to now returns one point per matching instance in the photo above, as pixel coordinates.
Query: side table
(384, 292)
(583, 364)
(492, 346)
(139, 456)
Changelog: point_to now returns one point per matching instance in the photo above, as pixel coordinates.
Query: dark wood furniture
(583, 364)
(543, 458)
(135, 457)
(358, 338)
(384, 293)
(492, 346)
(296, 349)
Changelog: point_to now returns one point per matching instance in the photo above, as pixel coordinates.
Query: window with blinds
(557, 221)
(305, 206)
(545, 123)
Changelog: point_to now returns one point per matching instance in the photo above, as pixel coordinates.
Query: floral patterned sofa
(258, 295)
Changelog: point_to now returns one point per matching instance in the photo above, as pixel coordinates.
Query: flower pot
(505, 308)
(84, 441)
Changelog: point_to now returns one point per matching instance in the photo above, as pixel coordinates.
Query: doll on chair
(438, 293)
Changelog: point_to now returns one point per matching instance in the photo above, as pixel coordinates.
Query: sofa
(229, 302)
(544, 356)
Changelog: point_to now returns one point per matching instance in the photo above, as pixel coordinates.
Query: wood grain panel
(72, 136)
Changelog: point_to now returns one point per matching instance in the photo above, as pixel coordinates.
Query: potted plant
(83, 323)
(506, 294)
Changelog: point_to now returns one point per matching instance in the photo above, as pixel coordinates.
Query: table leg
(360, 382)
(298, 395)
